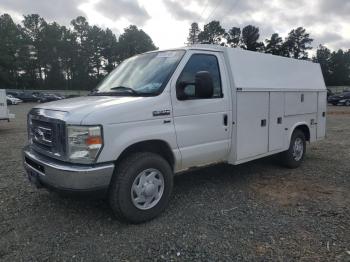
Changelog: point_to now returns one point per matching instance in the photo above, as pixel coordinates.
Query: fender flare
(295, 126)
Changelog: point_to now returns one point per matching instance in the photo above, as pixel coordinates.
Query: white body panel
(3, 104)
(252, 136)
(254, 70)
(277, 132)
(298, 103)
(4, 112)
(202, 137)
(255, 87)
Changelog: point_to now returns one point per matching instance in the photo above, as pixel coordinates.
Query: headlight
(84, 143)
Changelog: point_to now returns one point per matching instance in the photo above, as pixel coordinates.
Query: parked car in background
(12, 100)
(12, 93)
(340, 99)
(24, 96)
(46, 97)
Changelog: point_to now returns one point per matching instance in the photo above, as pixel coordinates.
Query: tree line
(335, 65)
(36, 54)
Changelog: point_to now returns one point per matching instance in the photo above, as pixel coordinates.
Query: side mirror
(204, 84)
(202, 87)
(181, 93)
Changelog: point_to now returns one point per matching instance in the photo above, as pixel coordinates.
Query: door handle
(225, 119)
(263, 122)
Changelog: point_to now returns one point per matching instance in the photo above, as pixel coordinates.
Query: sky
(168, 21)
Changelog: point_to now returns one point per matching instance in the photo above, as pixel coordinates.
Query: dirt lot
(257, 211)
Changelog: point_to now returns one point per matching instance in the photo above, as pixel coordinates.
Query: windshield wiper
(125, 88)
(118, 91)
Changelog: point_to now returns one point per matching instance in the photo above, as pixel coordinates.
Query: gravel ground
(255, 211)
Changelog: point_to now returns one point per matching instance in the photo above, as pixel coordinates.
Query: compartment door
(276, 128)
(300, 103)
(321, 114)
(252, 124)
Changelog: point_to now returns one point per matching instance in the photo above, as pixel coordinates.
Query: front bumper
(54, 174)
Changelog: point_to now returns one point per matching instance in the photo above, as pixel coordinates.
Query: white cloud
(168, 21)
(61, 11)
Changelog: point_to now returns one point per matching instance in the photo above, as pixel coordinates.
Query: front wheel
(141, 187)
(294, 156)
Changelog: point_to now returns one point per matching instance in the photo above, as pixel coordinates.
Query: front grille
(47, 134)
(43, 134)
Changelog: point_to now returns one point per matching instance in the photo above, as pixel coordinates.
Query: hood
(106, 109)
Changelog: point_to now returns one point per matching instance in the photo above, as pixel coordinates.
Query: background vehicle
(4, 112)
(24, 96)
(47, 97)
(165, 112)
(13, 100)
(340, 99)
(12, 93)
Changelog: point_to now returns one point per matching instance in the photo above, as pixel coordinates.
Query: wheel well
(159, 147)
(305, 129)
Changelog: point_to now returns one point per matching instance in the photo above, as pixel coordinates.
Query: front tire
(141, 187)
(294, 156)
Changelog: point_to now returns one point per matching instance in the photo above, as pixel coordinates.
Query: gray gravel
(255, 211)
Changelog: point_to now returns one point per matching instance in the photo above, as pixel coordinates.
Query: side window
(201, 62)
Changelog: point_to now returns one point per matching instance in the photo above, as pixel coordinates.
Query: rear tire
(294, 156)
(141, 187)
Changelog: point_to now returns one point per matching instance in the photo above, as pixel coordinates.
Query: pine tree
(298, 42)
(193, 34)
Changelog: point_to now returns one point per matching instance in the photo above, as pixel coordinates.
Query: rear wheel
(294, 156)
(141, 187)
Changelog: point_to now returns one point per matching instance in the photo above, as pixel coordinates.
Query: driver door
(202, 129)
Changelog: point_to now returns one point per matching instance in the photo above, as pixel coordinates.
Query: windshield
(144, 75)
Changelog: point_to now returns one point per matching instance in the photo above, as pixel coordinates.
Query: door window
(201, 62)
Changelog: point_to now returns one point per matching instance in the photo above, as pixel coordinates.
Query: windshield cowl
(119, 94)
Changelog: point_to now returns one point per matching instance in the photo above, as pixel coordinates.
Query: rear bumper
(53, 174)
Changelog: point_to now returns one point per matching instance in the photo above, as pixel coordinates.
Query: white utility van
(4, 112)
(163, 112)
